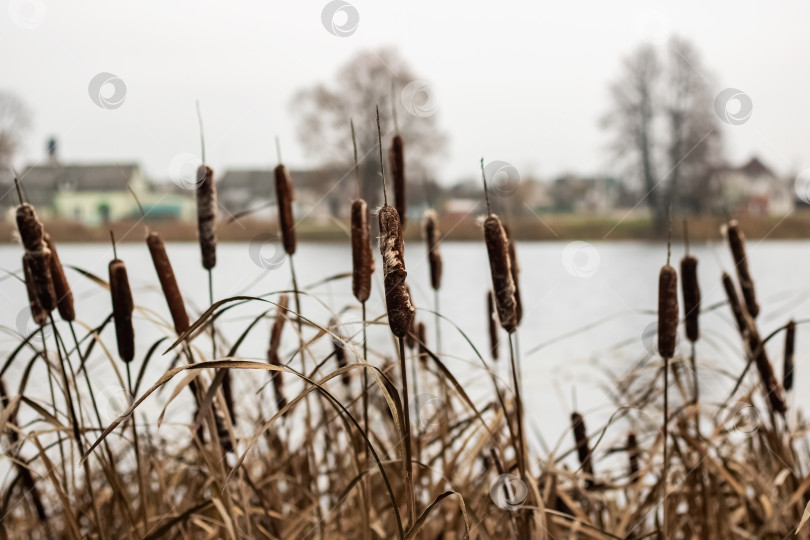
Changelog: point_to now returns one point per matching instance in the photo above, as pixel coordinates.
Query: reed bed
(402, 451)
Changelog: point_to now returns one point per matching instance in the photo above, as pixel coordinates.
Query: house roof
(261, 181)
(42, 181)
(753, 167)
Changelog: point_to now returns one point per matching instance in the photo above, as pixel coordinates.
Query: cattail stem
(75, 424)
(366, 480)
(406, 435)
(141, 487)
(53, 401)
(382, 164)
(521, 447)
(82, 368)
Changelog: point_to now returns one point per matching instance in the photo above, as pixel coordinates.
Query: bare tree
(632, 120)
(14, 121)
(663, 128)
(369, 79)
(693, 134)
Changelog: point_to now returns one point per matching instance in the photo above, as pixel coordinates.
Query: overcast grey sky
(523, 82)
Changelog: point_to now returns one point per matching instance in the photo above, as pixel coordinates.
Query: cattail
(503, 285)
(434, 255)
(632, 454)
(515, 271)
(397, 156)
(734, 303)
(790, 344)
(362, 258)
(410, 337)
(736, 241)
(773, 389)
(31, 231)
(122, 309)
(492, 321)
(272, 352)
(340, 352)
(392, 248)
(39, 314)
(667, 311)
(583, 447)
(278, 383)
(284, 198)
(168, 282)
(64, 296)
(207, 215)
(421, 334)
(691, 296)
(39, 264)
(278, 322)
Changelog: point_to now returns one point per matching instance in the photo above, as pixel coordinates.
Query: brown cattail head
(632, 454)
(790, 345)
(397, 156)
(362, 258)
(410, 338)
(691, 296)
(39, 262)
(421, 336)
(122, 309)
(736, 241)
(503, 285)
(285, 198)
(492, 321)
(278, 321)
(207, 215)
(31, 231)
(667, 311)
(773, 389)
(515, 271)
(64, 296)
(734, 303)
(39, 314)
(168, 282)
(434, 255)
(583, 446)
(275, 376)
(392, 248)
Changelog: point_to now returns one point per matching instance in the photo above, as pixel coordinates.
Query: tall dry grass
(362, 461)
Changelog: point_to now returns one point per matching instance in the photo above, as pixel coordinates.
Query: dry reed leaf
(805, 518)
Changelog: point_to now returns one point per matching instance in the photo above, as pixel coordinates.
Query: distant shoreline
(552, 227)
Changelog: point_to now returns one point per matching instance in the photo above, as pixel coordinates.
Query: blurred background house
(320, 194)
(753, 189)
(95, 193)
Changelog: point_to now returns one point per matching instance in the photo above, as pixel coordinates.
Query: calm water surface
(586, 308)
